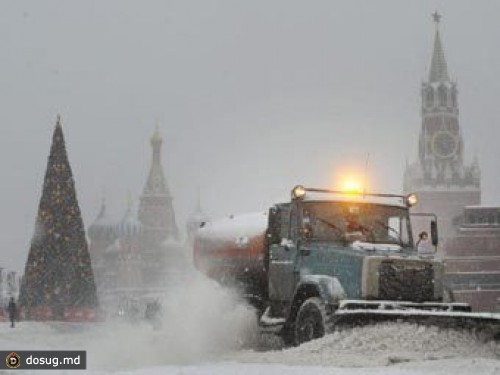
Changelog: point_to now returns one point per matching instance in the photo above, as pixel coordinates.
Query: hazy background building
(450, 187)
(444, 181)
(138, 257)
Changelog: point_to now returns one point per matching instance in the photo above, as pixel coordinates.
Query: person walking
(12, 309)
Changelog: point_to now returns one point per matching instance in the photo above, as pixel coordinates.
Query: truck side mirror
(434, 233)
(274, 226)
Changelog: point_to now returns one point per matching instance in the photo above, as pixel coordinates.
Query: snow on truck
(328, 258)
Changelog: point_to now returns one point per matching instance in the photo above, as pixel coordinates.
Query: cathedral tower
(440, 177)
(156, 212)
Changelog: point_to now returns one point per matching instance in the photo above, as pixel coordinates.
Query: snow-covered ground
(206, 331)
(387, 349)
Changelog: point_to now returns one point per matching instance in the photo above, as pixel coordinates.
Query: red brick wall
(484, 300)
(476, 265)
(473, 245)
(447, 205)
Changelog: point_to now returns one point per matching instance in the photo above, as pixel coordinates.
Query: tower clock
(444, 144)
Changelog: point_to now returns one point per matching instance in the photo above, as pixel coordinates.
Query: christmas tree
(58, 275)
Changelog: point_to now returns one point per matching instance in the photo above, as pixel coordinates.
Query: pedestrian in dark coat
(12, 309)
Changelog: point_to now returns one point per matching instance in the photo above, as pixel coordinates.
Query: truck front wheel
(310, 321)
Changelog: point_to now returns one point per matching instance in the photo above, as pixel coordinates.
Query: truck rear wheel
(310, 321)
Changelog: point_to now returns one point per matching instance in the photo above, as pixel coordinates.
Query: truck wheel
(310, 321)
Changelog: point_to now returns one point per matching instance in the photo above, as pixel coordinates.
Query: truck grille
(406, 281)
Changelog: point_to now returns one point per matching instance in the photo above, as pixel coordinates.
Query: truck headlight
(298, 192)
(411, 200)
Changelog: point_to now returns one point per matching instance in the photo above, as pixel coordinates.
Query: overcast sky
(251, 98)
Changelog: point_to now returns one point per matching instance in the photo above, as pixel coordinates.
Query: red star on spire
(436, 17)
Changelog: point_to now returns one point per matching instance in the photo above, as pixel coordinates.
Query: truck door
(283, 273)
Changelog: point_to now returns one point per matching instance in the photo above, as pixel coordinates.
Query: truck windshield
(349, 222)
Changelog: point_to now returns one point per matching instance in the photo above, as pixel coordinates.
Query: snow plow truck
(329, 259)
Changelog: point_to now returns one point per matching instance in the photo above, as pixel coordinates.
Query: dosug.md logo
(13, 360)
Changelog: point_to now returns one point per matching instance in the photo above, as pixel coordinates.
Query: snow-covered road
(206, 331)
(443, 367)
(385, 349)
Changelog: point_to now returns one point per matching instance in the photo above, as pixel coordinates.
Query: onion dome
(102, 228)
(129, 226)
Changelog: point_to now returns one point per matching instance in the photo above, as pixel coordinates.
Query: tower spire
(439, 69)
(156, 212)
(198, 199)
(156, 184)
(197, 218)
